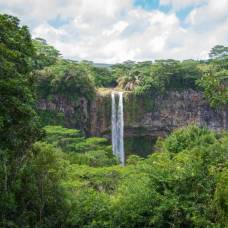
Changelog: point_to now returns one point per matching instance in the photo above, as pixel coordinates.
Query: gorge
(146, 118)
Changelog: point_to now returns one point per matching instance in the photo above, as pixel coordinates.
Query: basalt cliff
(143, 116)
(157, 116)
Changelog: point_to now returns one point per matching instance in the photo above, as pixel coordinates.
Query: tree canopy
(19, 127)
(18, 121)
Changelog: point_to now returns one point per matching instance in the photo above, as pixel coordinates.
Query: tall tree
(218, 51)
(18, 121)
(45, 55)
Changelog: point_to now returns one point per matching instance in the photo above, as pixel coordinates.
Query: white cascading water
(114, 125)
(118, 126)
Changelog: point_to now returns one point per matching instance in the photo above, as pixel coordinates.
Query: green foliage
(73, 80)
(89, 208)
(102, 179)
(68, 180)
(65, 78)
(103, 77)
(215, 85)
(181, 185)
(221, 196)
(51, 117)
(45, 55)
(42, 201)
(176, 187)
(218, 51)
(16, 47)
(187, 138)
(134, 202)
(92, 151)
(215, 77)
(147, 77)
(162, 75)
(55, 133)
(133, 159)
(18, 120)
(17, 117)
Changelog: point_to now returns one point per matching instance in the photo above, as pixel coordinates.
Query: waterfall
(114, 125)
(118, 126)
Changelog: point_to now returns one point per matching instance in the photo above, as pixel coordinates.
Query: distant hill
(102, 65)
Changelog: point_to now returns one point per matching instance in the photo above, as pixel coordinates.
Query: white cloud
(114, 30)
(210, 14)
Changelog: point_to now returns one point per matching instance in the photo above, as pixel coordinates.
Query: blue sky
(181, 13)
(152, 5)
(117, 30)
(146, 4)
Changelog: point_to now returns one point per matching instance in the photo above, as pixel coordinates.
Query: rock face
(148, 116)
(143, 116)
(60, 110)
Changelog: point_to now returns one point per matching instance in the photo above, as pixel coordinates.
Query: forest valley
(53, 176)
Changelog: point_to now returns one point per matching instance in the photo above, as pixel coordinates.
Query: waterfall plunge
(118, 126)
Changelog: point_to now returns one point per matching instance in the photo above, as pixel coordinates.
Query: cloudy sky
(113, 31)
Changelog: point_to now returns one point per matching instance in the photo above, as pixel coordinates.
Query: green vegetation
(66, 79)
(215, 77)
(18, 121)
(102, 77)
(80, 79)
(148, 77)
(92, 151)
(56, 177)
(184, 183)
(156, 78)
(45, 55)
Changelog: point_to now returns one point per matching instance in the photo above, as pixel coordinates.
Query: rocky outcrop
(148, 116)
(61, 110)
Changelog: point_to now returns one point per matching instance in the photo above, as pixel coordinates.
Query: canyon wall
(143, 116)
(58, 110)
(148, 116)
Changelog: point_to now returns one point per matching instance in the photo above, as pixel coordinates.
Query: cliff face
(147, 116)
(143, 116)
(60, 110)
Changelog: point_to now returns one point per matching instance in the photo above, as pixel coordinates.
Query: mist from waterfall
(118, 126)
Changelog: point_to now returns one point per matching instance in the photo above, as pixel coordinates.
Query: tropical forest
(135, 143)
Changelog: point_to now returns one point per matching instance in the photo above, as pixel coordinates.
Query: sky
(111, 31)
